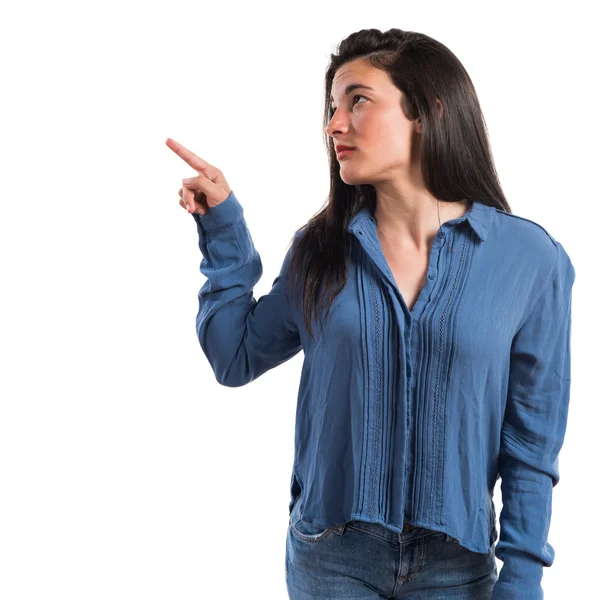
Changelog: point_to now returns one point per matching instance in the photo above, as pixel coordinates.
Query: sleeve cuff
(226, 213)
(520, 577)
(506, 591)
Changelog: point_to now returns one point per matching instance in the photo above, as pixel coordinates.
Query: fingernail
(187, 180)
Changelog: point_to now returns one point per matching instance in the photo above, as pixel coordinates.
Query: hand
(205, 191)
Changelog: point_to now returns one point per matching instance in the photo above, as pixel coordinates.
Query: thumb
(205, 191)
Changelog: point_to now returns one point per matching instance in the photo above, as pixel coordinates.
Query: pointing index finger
(190, 158)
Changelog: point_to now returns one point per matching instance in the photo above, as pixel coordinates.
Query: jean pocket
(307, 532)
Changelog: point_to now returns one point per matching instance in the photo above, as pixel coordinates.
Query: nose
(335, 126)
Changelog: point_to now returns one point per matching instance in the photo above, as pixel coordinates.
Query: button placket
(432, 268)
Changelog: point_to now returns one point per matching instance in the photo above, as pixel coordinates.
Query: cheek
(390, 149)
(387, 142)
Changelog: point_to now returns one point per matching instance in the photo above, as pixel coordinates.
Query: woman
(442, 357)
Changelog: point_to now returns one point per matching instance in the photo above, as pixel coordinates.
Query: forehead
(357, 75)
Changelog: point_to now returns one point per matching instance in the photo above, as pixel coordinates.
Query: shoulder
(533, 232)
(533, 242)
(526, 238)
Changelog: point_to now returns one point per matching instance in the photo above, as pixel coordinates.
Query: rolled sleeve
(532, 435)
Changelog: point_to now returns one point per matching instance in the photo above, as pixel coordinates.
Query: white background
(126, 471)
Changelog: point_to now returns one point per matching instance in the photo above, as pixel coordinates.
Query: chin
(350, 178)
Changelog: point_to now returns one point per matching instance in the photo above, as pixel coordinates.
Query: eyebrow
(353, 86)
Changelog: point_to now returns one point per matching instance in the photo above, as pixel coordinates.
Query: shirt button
(431, 276)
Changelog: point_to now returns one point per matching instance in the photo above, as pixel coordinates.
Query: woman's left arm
(532, 435)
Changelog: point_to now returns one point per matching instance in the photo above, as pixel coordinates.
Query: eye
(332, 109)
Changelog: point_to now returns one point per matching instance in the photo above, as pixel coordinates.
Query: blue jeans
(369, 561)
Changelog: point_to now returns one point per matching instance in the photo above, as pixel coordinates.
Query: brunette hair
(456, 158)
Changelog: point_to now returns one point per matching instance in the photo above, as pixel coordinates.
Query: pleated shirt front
(413, 415)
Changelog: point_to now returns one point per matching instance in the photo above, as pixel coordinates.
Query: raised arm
(242, 337)
(532, 436)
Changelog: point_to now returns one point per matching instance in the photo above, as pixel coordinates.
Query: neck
(413, 227)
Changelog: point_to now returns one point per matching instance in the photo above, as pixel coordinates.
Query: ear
(419, 126)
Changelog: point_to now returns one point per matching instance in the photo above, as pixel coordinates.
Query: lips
(341, 148)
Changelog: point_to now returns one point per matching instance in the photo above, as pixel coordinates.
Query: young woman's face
(387, 143)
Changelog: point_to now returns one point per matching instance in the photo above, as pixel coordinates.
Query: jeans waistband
(408, 532)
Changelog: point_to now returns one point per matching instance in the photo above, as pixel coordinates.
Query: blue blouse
(413, 415)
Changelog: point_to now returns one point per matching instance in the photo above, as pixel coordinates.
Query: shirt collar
(480, 217)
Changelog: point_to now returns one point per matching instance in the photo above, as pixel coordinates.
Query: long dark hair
(456, 159)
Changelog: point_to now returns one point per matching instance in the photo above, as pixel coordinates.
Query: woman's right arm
(242, 337)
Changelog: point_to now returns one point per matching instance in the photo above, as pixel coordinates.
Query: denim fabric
(365, 560)
(413, 415)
